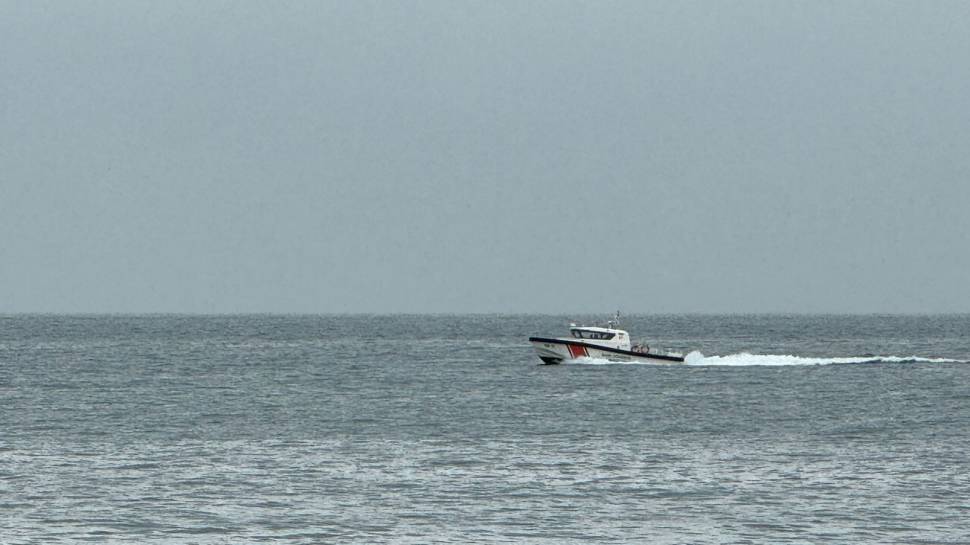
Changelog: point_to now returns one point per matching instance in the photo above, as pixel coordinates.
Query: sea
(446, 429)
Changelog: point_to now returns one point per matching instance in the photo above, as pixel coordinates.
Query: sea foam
(747, 359)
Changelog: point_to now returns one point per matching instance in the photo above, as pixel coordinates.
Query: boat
(596, 342)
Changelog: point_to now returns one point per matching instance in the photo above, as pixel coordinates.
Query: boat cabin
(615, 338)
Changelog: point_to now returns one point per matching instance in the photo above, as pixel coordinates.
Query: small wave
(746, 359)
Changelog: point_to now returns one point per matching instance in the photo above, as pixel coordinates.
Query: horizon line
(472, 313)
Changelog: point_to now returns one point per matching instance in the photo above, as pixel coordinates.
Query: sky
(479, 157)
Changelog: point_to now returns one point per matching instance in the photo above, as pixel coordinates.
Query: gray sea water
(443, 429)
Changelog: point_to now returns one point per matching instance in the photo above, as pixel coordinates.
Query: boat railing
(657, 349)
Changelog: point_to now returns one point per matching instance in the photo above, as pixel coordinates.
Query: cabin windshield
(597, 335)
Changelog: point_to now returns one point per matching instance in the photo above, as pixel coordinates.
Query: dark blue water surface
(418, 429)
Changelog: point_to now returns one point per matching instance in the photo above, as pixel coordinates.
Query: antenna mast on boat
(615, 322)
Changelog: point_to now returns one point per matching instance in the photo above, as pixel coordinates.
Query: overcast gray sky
(484, 156)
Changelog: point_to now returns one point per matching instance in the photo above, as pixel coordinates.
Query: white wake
(746, 359)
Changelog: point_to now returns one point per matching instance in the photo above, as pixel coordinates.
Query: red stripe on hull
(577, 351)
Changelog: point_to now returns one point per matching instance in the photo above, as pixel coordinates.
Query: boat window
(595, 335)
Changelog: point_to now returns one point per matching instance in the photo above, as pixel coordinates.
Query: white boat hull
(552, 351)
